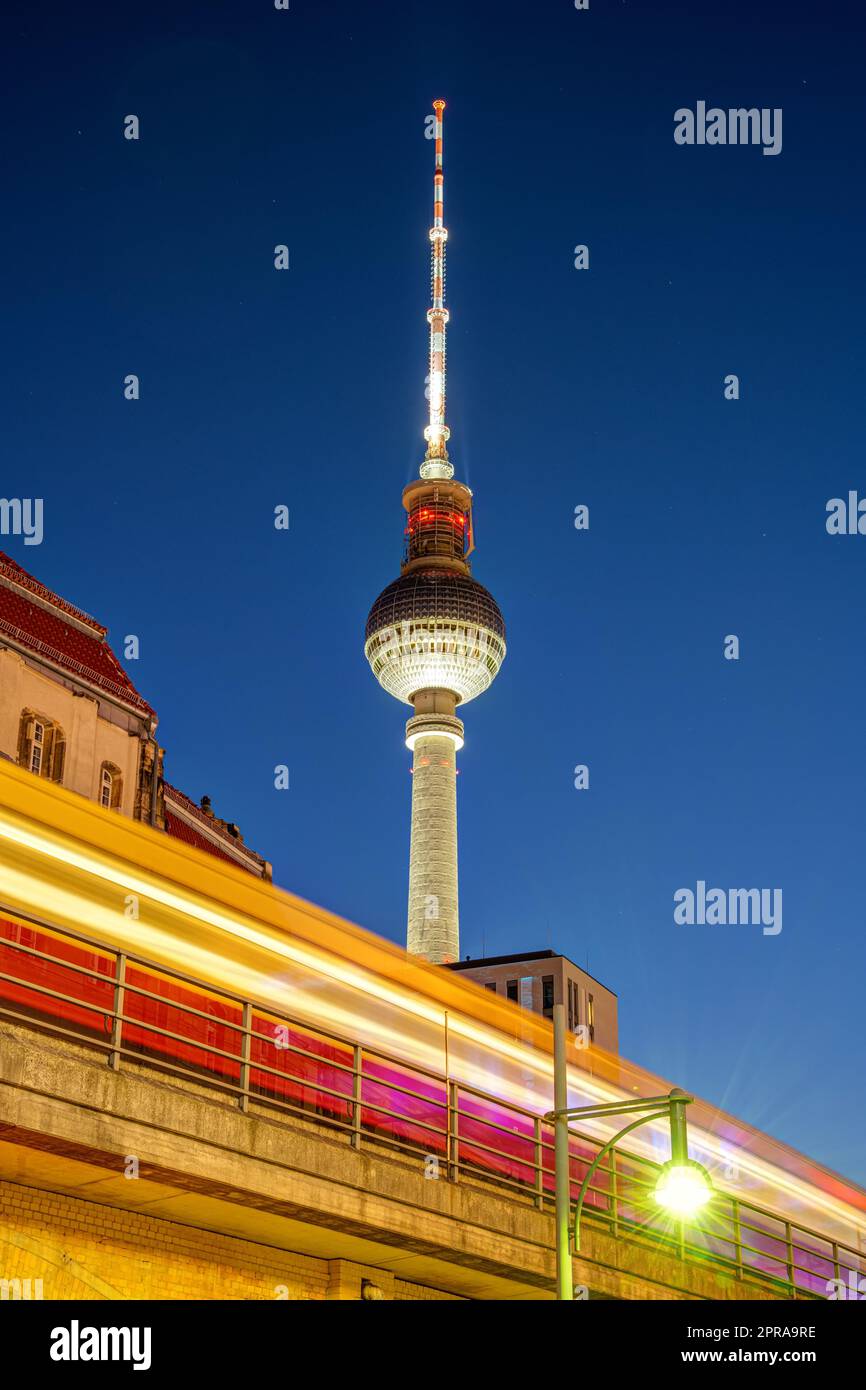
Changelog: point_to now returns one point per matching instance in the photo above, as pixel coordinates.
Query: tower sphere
(434, 629)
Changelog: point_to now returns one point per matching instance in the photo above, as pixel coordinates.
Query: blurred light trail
(74, 865)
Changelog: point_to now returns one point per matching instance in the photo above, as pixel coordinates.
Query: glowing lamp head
(683, 1188)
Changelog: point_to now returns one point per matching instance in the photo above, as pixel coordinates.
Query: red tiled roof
(179, 830)
(50, 627)
(175, 825)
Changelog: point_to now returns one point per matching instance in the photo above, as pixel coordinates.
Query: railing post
(453, 1132)
(357, 1061)
(562, 1161)
(116, 1022)
(246, 1050)
(614, 1196)
(738, 1236)
(789, 1250)
(539, 1164)
(836, 1275)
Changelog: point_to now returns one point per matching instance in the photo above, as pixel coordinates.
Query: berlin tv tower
(435, 637)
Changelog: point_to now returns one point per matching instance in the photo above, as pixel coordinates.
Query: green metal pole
(679, 1131)
(564, 1286)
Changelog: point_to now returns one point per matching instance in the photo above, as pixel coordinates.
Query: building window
(491, 985)
(590, 1015)
(110, 787)
(41, 746)
(37, 747)
(547, 996)
(571, 1006)
(511, 990)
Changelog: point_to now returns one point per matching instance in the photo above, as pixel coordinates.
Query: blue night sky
(600, 387)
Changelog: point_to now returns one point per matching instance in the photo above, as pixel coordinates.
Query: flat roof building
(537, 979)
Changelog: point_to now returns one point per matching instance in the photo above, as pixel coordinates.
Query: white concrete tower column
(434, 921)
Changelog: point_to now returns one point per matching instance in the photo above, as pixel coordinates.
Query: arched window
(110, 787)
(41, 746)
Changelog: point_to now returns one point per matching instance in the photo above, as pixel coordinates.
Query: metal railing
(136, 1012)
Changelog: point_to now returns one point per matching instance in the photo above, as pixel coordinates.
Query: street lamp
(683, 1188)
(683, 1185)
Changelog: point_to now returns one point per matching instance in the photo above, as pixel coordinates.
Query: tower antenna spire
(436, 462)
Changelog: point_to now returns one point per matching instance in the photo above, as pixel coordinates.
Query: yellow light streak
(531, 1088)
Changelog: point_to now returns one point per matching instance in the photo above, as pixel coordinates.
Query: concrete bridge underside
(218, 1189)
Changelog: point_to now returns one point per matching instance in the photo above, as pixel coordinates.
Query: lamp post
(683, 1186)
(564, 1287)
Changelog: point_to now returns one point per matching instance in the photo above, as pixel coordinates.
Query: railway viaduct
(125, 1184)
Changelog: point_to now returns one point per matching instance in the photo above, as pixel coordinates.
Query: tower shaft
(433, 924)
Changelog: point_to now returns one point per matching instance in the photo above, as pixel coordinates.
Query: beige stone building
(69, 712)
(538, 979)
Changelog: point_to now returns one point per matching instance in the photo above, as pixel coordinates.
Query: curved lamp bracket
(611, 1143)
